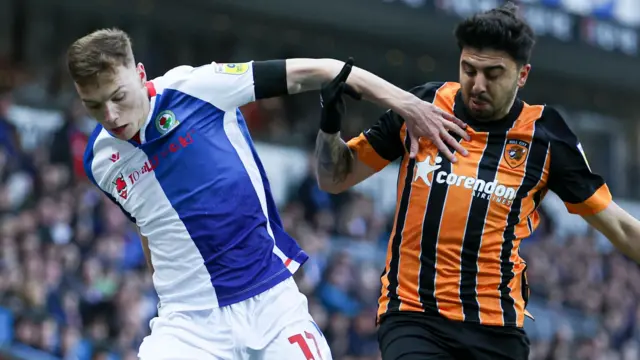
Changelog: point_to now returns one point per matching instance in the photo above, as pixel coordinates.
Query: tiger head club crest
(515, 153)
(166, 121)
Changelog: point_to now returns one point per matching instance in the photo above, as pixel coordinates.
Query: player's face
(490, 80)
(118, 100)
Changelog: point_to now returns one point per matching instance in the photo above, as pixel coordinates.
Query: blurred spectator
(69, 142)
(315, 202)
(8, 134)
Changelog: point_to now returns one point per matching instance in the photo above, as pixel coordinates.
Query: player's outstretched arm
(310, 74)
(622, 229)
(423, 119)
(229, 86)
(584, 192)
(341, 165)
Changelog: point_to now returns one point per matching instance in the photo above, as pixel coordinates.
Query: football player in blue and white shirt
(175, 155)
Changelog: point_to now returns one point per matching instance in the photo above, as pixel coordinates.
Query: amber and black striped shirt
(458, 227)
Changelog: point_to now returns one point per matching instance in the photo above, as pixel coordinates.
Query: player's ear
(523, 75)
(141, 73)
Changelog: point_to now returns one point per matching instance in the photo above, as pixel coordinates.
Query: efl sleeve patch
(232, 69)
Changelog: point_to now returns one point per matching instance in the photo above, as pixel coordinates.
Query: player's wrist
(330, 120)
(406, 104)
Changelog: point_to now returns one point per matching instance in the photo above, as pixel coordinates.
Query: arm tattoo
(334, 158)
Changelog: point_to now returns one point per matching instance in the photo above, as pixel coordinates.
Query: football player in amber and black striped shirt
(454, 285)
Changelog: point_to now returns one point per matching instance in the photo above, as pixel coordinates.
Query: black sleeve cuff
(270, 78)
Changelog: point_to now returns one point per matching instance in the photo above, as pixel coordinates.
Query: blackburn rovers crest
(166, 121)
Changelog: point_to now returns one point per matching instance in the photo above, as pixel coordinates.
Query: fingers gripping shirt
(196, 188)
(386, 140)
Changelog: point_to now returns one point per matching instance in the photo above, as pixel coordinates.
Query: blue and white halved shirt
(196, 188)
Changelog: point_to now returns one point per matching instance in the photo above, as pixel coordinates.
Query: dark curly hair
(498, 29)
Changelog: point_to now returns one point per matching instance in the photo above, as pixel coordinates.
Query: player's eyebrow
(91, 101)
(487, 68)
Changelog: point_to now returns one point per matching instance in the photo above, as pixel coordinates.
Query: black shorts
(418, 336)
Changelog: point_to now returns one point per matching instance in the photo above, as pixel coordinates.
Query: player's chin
(125, 134)
(482, 114)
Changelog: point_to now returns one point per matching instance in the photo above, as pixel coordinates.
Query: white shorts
(274, 325)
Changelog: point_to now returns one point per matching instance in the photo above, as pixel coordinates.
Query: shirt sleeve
(570, 177)
(229, 86)
(381, 144)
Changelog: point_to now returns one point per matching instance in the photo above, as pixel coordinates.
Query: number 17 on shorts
(301, 341)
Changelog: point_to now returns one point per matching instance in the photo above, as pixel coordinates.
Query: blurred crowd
(74, 284)
(624, 11)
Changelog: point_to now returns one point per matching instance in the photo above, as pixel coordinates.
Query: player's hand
(333, 106)
(425, 120)
(331, 93)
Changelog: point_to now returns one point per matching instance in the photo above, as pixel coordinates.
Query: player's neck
(500, 115)
(146, 105)
(505, 112)
(136, 138)
(146, 109)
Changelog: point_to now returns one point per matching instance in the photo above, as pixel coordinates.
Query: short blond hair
(99, 52)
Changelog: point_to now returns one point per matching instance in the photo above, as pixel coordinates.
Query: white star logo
(424, 168)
